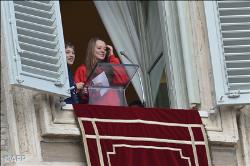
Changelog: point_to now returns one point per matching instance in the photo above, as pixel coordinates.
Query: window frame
(172, 51)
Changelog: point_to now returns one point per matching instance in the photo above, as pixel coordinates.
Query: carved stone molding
(53, 120)
(244, 129)
(228, 131)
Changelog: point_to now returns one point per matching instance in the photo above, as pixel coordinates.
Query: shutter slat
(235, 20)
(238, 64)
(40, 5)
(234, 16)
(33, 11)
(234, 82)
(237, 56)
(233, 9)
(235, 26)
(36, 27)
(238, 71)
(39, 73)
(35, 19)
(40, 64)
(236, 31)
(232, 50)
(233, 4)
(235, 23)
(38, 49)
(240, 76)
(36, 34)
(236, 34)
(40, 57)
(35, 41)
(240, 86)
(237, 46)
(236, 41)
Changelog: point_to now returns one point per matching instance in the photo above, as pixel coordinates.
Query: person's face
(70, 55)
(100, 50)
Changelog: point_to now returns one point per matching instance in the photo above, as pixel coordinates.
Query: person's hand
(81, 88)
(80, 85)
(85, 90)
(110, 50)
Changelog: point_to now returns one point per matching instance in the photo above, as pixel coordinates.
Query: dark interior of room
(81, 21)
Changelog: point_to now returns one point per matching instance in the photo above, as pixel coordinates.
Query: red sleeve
(120, 74)
(114, 60)
(81, 74)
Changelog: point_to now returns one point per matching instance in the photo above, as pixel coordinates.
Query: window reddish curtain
(128, 136)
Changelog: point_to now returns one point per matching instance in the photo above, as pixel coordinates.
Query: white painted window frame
(176, 76)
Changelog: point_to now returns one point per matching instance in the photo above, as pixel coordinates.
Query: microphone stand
(142, 89)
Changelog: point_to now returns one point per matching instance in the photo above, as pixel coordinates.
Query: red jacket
(111, 97)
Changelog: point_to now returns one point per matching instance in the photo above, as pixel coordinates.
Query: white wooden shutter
(229, 39)
(36, 45)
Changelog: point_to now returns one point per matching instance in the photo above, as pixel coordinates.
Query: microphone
(124, 54)
(142, 89)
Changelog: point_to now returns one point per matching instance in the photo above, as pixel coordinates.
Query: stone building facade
(36, 131)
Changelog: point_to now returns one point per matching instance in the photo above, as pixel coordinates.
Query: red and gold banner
(130, 136)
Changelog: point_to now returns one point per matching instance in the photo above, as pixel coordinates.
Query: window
(229, 39)
(35, 45)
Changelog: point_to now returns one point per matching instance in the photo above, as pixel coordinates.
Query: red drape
(126, 136)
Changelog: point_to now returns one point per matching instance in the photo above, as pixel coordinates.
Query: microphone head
(122, 53)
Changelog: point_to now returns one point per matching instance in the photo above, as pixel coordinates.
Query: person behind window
(70, 56)
(96, 53)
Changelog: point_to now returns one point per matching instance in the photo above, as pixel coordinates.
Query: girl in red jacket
(97, 53)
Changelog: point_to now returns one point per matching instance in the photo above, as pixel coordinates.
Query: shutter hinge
(71, 88)
(19, 79)
(234, 94)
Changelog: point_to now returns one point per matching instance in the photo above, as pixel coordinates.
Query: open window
(35, 34)
(134, 27)
(78, 32)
